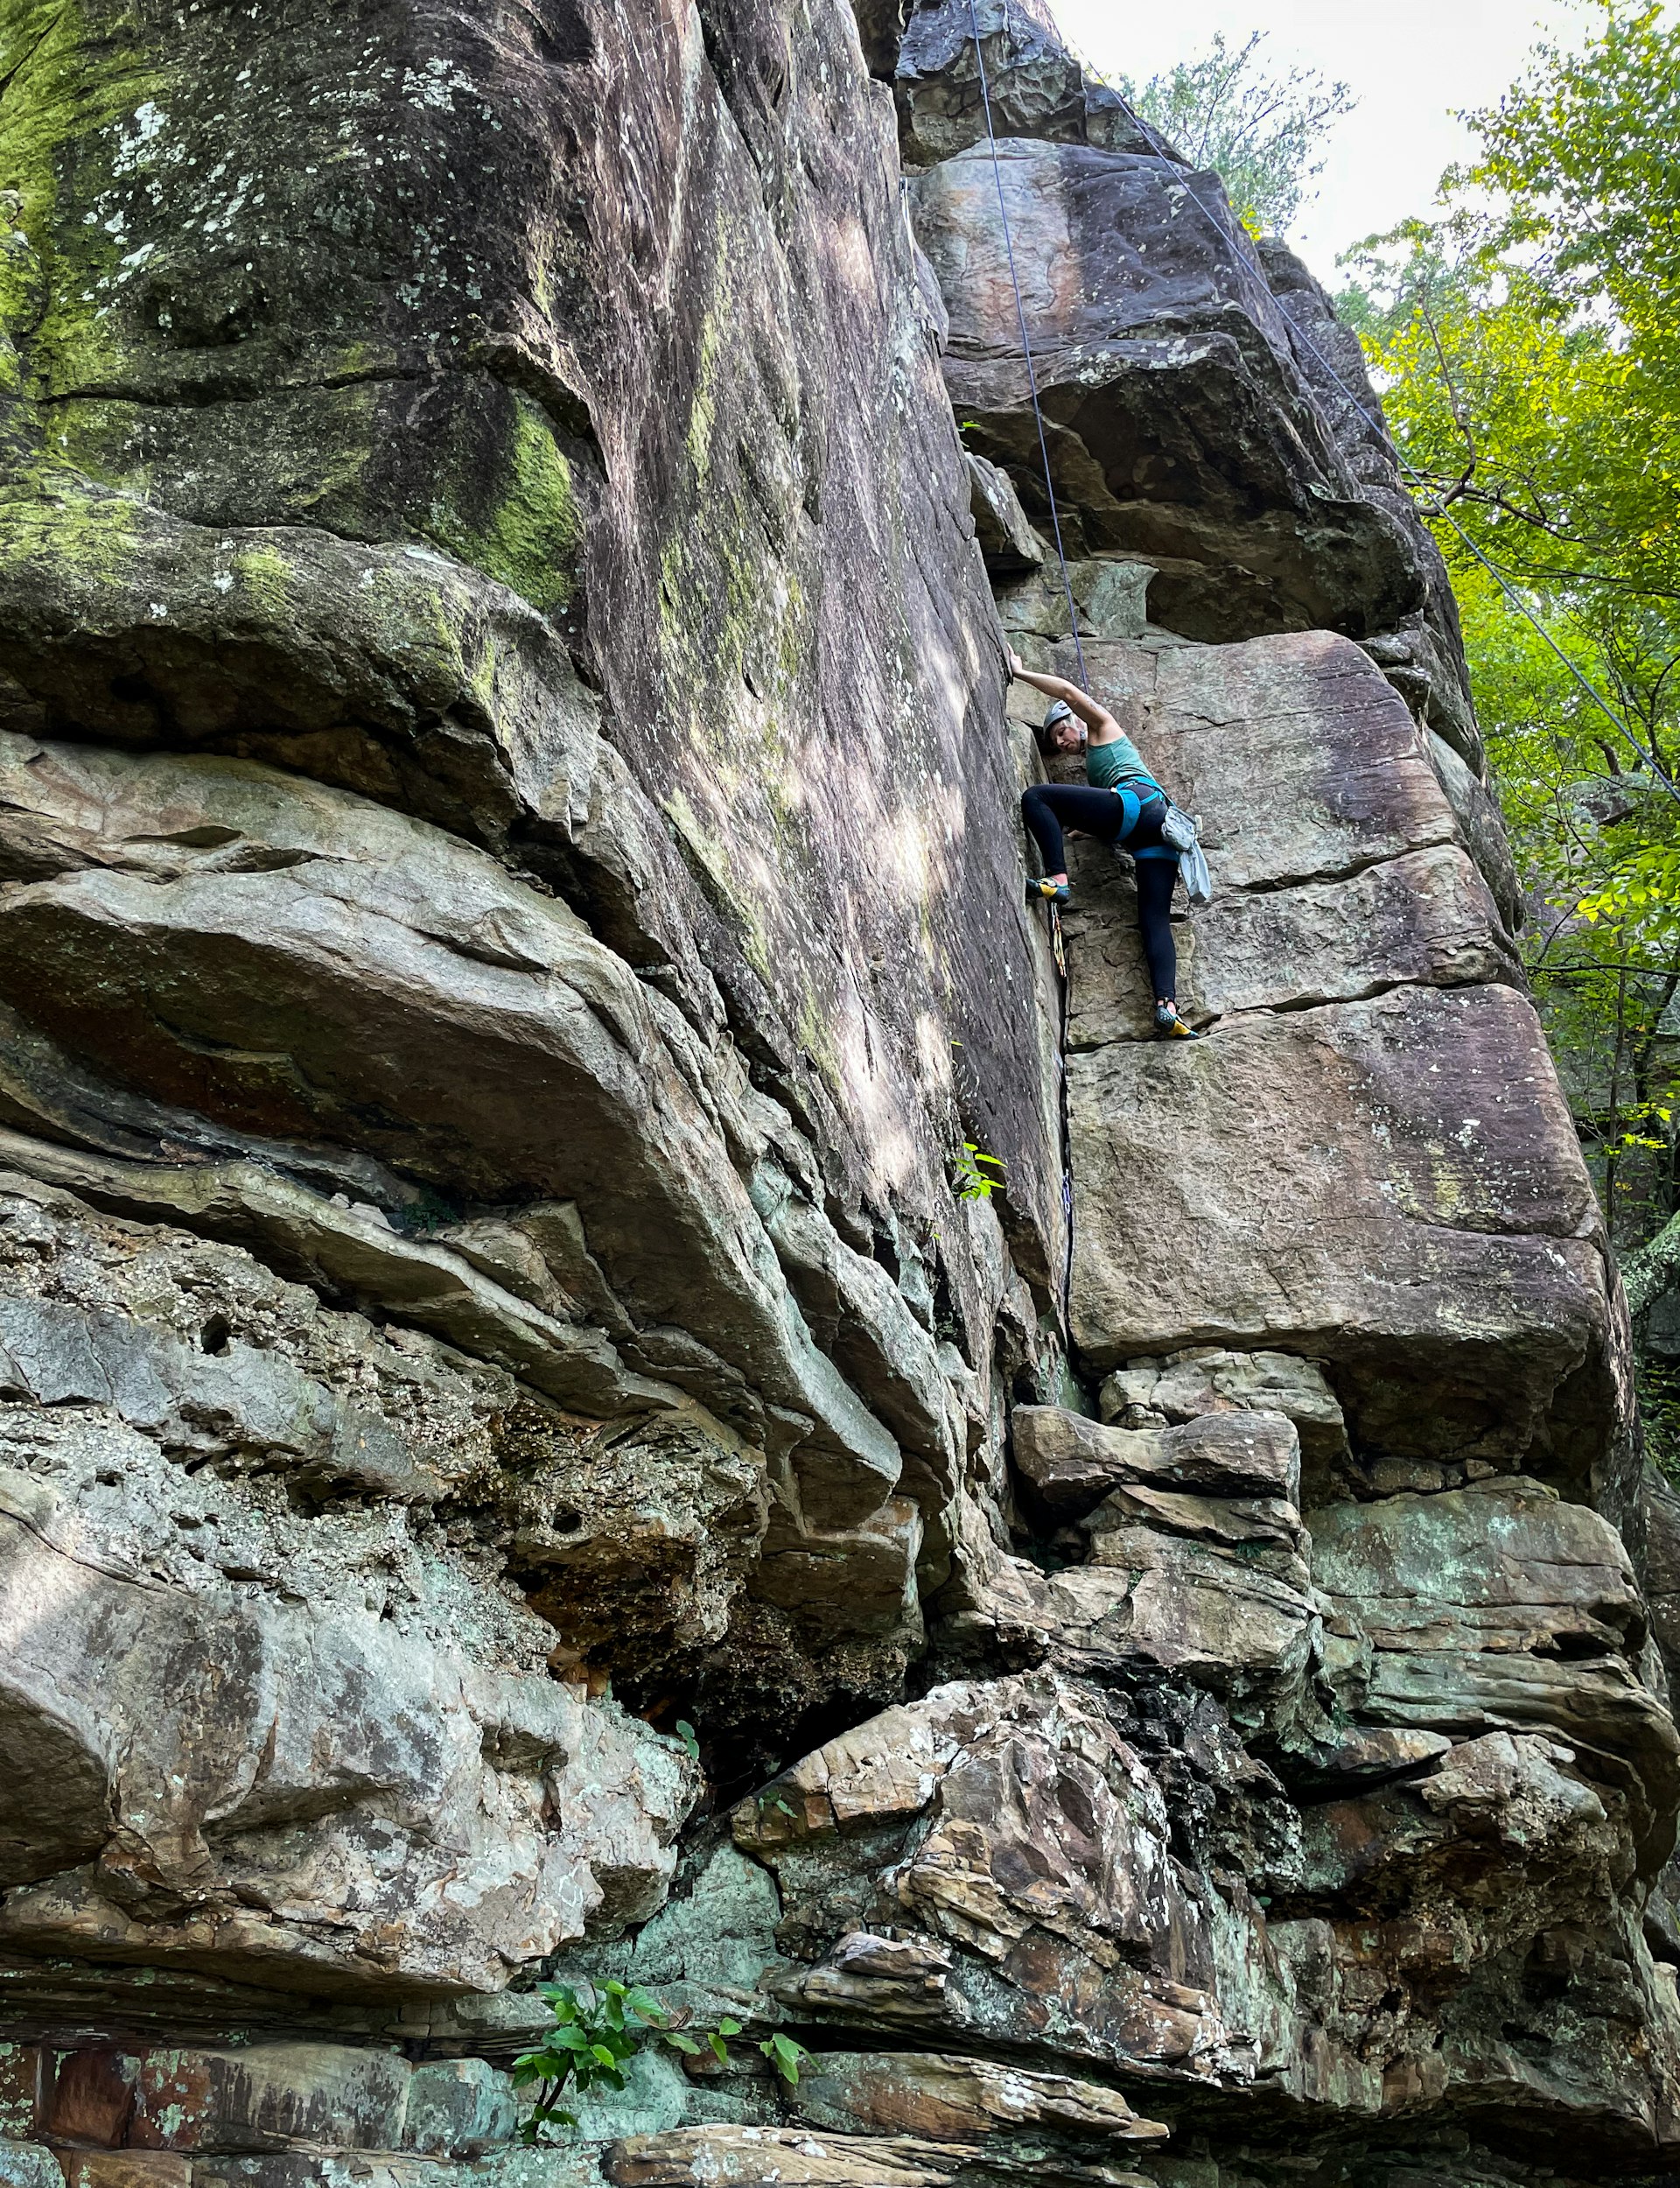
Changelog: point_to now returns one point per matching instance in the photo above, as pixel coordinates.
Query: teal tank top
(1108, 766)
(1120, 766)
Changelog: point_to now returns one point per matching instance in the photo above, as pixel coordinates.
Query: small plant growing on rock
(970, 1179)
(594, 2039)
(786, 2056)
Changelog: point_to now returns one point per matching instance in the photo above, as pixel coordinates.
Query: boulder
(29, 2165)
(1009, 1825)
(1392, 1187)
(1007, 541)
(1034, 84)
(1110, 596)
(219, 1364)
(724, 2157)
(1300, 762)
(280, 2097)
(1502, 1609)
(1263, 1532)
(1180, 428)
(1431, 679)
(1475, 807)
(1202, 1380)
(1424, 654)
(1160, 1602)
(314, 967)
(23, 2075)
(549, 536)
(326, 1803)
(1073, 1463)
(320, 1753)
(1425, 917)
(957, 2100)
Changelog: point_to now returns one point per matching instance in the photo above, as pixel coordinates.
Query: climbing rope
(1027, 340)
(1056, 942)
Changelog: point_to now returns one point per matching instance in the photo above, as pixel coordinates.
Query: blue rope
(1026, 341)
(1073, 626)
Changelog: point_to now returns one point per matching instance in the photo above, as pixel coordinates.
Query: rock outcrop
(531, 1447)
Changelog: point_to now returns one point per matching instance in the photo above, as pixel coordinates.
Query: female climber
(1120, 803)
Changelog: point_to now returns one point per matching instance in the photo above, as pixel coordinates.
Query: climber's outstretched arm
(1097, 719)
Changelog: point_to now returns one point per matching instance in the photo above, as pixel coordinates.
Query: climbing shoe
(1043, 892)
(1170, 1027)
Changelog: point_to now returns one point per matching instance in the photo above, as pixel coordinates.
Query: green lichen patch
(80, 105)
(56, 538)
(527, 529)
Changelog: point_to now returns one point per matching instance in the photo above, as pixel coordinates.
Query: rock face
(528, 1449)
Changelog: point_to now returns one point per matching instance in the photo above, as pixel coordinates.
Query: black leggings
(1048, 807)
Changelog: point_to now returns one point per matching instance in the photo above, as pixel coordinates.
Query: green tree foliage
(1262, 131)
(1527, 341)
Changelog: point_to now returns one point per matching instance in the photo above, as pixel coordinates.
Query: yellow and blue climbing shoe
(1042, 892)
(1170, 1027)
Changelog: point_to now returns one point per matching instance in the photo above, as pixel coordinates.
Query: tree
(1261, 131)
(1528, 344)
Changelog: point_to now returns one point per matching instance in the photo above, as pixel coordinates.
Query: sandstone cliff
(510, 909)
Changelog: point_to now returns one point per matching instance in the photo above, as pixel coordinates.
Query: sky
(1408, 71)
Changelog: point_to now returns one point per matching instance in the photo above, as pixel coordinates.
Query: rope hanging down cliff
(1021, 320)
(1079, 651)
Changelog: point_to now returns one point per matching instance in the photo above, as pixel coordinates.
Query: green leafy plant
(591, 2042)
(689, 1738)
(786, 2056)
(595, 2036)
(970, 1180)
(716, 2038)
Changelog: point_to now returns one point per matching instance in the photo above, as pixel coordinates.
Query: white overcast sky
(1408, 66)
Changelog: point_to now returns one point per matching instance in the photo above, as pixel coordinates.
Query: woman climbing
(1120, 803)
